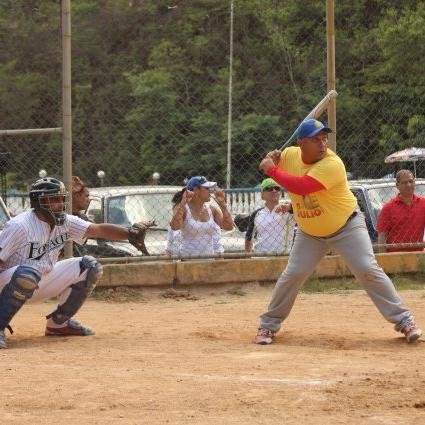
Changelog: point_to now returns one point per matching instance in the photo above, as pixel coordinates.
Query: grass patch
(325, 285)
(409, 281)
(314, 285)
(124, 294)
(237, 291)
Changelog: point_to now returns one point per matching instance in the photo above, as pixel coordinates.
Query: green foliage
(150, 83)
(253, 135)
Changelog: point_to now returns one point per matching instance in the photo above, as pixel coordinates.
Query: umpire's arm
(107, 231)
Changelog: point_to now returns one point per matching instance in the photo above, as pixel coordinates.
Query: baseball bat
(314, 113)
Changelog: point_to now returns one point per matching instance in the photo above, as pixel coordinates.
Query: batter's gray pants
(352, 242)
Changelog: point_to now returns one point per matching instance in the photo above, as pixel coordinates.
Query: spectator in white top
(174, 242)
(273, 225)
(197, 219)
(174, 237)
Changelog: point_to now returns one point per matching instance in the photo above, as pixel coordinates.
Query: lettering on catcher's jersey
(27, 240)
(37, 250)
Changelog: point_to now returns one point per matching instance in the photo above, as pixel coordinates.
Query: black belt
(348, 219)
(351, 216)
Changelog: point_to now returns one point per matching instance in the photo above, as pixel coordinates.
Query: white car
(125, 205)
(4, 213)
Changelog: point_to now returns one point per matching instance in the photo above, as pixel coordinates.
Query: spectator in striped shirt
(271, 226)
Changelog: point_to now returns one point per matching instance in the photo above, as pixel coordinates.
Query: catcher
(29, 268)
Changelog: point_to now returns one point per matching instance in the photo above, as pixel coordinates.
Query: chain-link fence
(151, 96)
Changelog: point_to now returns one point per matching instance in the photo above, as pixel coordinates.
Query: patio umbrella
(407, 155)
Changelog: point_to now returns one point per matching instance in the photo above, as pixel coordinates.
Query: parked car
(4, 214)
(125, 205)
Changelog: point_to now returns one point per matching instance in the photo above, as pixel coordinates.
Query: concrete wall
(239, 270)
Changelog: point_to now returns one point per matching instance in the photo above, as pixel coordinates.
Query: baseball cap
(198, 181)
(269, 182)
(311, 127)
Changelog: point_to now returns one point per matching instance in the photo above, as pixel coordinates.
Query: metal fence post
(330, 36)
(66, 106)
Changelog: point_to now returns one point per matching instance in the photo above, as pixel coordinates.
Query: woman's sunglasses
(272, 189)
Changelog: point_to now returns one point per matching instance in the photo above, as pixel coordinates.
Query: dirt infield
(187, 358)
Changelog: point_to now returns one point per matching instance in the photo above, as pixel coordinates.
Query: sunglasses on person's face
(272, 189)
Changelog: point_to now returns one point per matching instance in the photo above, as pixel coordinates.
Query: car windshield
(128, 209)
(4, 216)
(380, 195)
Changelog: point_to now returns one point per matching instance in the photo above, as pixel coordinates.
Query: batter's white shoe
(264, 336)
(3, 343)
(71, 328)
(411, 332)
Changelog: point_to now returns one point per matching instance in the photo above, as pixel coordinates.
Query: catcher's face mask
(56, 206)
(48, 196)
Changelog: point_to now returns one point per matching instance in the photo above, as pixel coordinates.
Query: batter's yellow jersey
(320, 213)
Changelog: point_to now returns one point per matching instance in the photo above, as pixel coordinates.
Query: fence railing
(371, 195)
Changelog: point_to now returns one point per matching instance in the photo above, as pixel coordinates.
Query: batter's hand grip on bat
(316, 112)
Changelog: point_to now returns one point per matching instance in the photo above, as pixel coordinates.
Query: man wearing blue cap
(327, 215)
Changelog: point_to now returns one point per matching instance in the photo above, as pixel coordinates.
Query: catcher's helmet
(48, 192)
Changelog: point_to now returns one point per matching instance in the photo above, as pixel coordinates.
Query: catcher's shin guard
(80, 291)
(22, 285)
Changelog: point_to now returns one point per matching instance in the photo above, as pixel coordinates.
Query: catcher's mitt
(137, 233)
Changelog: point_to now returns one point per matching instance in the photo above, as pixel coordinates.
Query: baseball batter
(328, 217)
(29, 268)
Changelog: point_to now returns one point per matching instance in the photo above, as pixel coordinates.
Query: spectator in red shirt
(402, 219)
